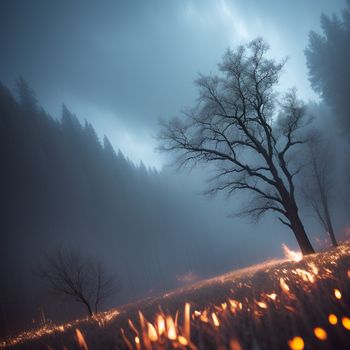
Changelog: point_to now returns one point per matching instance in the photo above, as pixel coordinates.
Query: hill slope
(61, 186)
(275, 305)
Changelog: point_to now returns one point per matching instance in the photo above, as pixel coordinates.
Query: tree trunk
(332, 236)
(88, 308)
(296, 225)
(330, 226)
(300, 235)
(331, 233)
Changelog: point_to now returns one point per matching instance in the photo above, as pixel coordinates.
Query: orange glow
(261, 304)
(235, 345)
(272, 296)
(320, 333)
(161, 324)
(297, 343)
(204, 316)
(332, 319)
(182, 340)
(284, 285)
(305, 275)
(137, 343)
(133, 327)
(171, 330)
(289, 308)
(233, 304)
(215, 319)
(337, 293)
(80, 339)
(346, 323)
(314, 268)
(291, 254)
(187, 329)
(224, 306)
(152, 334)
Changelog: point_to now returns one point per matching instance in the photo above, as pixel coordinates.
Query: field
(282, 304)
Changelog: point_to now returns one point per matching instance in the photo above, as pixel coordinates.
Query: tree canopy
(328, 57)
(241, 127)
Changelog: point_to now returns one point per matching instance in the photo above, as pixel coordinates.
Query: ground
(278, 304)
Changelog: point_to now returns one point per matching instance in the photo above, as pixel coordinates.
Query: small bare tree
(80, 279)
(317, 189)
(237, 127)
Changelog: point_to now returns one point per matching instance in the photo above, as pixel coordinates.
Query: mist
(83, 88)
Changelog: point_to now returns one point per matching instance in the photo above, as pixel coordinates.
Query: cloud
(233, 20)
(136, 60)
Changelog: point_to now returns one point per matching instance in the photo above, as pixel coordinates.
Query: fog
(110, 63)
(79, 135)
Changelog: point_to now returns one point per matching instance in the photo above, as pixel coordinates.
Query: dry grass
(262, 307)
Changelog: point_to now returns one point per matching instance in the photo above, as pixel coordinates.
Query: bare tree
(241, 127)
(79, 279)
(317, 190)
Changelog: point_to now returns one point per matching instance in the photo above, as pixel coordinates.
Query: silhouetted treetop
(233, 128)
(328, 57)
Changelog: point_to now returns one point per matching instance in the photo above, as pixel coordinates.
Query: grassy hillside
(274, 305)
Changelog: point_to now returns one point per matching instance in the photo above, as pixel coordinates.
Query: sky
(122, 65)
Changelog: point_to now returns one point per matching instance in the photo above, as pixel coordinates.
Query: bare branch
(79, 279)
(233, 127)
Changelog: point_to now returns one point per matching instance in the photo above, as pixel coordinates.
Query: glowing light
(289, 308)
(80, 339)
(187, 323)
(297, 343)
(182, 340)
(161, 324)
(204, 316)
(233, 305)
(171, 330)
(152, 334)
(284, 285)
(291, 254)
(133, 327)
(272, 296)
(337, 293)
(320, 333)
(261, 304)
(108, 316)
(314, 268)
(174, 331)
(346, 323)
(235, 345)
(332, 319)
(224, 306)
(305, 275)
(215, 319)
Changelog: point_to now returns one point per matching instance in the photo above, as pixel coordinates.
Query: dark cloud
(124, 64)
